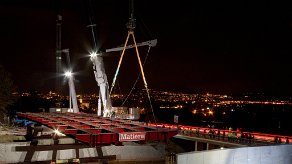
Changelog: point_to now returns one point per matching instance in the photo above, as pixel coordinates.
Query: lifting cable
(138, 77)
(141, 68)
(131, 26)
(134, 85)
(120, 62)
(144, 78)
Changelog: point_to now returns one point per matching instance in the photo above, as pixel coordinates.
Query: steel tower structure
(58, 53)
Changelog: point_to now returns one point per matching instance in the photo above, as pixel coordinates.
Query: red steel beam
(95, 130)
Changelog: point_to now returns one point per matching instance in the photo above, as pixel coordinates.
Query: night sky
(215, 47)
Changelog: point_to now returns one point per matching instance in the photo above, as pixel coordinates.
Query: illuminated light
(57, 132)
(194, 111)
(93, 54)
(210, 112)
(221, 147)
(70, 110)
(68, 74)
(58, 110)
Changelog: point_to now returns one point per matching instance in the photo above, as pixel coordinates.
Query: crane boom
(151, 43)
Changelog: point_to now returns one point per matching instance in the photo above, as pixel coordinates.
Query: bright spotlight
(57, 132)
(93, 54)
(68, 74)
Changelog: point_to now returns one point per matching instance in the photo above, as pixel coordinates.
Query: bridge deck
(94, 130)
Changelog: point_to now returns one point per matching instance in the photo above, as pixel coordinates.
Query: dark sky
(216, 47)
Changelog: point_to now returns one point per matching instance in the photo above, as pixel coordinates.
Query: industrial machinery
(98, 65)
(72, 91)
(101, 78)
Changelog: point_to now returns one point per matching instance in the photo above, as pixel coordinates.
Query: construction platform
(94, 131)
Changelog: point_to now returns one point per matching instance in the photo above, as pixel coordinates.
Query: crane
(98, 65)
(101, 78)
(72, 92)
(151, 43)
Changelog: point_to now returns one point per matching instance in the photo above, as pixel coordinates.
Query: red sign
(131, 136)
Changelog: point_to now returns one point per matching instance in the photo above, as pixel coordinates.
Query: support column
(196, 145)
(207, 147)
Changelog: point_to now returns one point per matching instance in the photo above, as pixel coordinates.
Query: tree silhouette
(6, 89)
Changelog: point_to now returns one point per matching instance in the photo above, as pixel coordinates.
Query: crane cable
(144, 78)
(141, 68)
(120, 62)
(134, 85)
(131, 26)
(92, 25)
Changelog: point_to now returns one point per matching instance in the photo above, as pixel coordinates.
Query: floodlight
(68, 74)
(93, 54)
(57, 132)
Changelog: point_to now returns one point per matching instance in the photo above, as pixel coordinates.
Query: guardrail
(241, 137)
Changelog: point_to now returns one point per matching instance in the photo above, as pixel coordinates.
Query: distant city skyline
(217, 47)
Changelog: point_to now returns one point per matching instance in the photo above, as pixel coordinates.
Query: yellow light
(194, 111)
